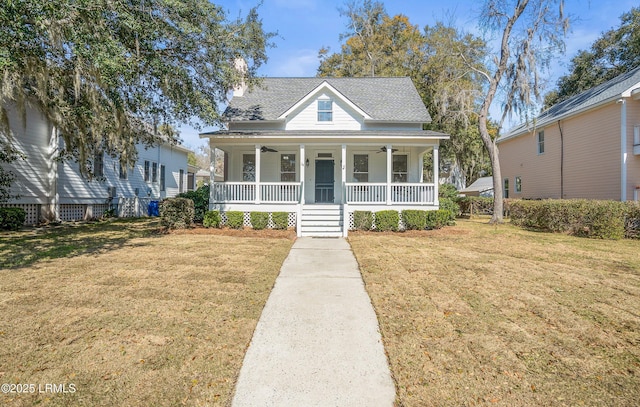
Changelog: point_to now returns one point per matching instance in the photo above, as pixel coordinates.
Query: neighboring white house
(50, 190)
(322, 148)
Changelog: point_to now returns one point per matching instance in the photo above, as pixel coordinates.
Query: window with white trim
(181, 181)
(361, 167)
(325, 110)
(400, 166)
(249, 167)
(147, 171)
(154, 172)
(288, 167)
(98, 164)
(506, 188)
(162, 179)
(518, 182)
(541, 142)
(122, 171)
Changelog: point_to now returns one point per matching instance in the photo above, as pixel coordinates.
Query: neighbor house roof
(480, 185)
(383, 99)
(620, 86)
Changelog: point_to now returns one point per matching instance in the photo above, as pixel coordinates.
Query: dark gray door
(324, 180)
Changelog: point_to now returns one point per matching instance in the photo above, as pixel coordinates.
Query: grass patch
(483, 315)
(129, 316)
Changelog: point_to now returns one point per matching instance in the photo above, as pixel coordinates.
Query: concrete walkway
(317, 341)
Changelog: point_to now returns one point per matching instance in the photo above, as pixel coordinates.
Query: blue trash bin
(154, 209)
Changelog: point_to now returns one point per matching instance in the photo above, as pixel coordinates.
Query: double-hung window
(147, 171)
(162, 179)
(288, 167)
(541, 142)
(361, 167)
(154, 172)
(400, 165)
(518, 185)
(506, 188)
(325, 111)
(122, 171)
(98, 164)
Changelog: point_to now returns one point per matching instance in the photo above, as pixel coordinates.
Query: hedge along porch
(320, 154)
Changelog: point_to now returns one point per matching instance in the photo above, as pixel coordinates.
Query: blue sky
(304, 26)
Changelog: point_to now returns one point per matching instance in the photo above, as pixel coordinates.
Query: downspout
(623, 150)
(561, 161)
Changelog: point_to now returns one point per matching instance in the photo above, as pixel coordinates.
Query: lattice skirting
(291, 220)
(32, 211)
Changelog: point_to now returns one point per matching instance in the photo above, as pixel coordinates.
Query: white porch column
(258, 173)
(436, 174)
(623, 151)
(389, 172)
(302, 173)
(343, 171)
(212, 175)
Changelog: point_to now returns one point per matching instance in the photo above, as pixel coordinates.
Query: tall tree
(616, 51)
(104, 72)
(531, 33)
(393, 46)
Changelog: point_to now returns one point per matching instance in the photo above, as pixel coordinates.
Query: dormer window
(325, 110)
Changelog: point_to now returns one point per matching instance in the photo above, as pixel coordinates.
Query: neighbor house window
(98, 164)
(541, 142)
(325, 110)
(400, 168)
(288, 167)
(147, 171)
(154, 172)
(506, 188)
(249, 167)
(122, 171)
(518, 185)
(162, 183)
(181, 181)
(361, 167)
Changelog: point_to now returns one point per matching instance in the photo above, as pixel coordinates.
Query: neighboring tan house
(481, 187)
(322, 148)
(585, 147)
(49, 190)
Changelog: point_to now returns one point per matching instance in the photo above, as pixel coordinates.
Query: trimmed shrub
(438, 219)
(259, 220)
(12, 218)
(362, 220)
(447, 191)
(280, 220)
(200, 198)
(632, 220)
(579, 217)
(176, 213)
(414, 219)
(235, 219)
(453, 208)
(212, 219)
(387, 220)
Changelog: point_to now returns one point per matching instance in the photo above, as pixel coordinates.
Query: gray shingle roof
(608, 91)
(387, 99)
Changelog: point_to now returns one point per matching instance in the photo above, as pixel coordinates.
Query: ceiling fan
(265, 149)
(383, 149)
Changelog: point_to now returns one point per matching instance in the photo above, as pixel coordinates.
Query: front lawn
(129, 316)
(483, 315)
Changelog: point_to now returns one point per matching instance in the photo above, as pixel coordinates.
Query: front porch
(333, 178)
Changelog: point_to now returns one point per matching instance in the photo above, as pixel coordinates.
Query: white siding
(32, 182)
(306, 116)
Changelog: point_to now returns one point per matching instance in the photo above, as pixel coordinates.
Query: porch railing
(376, 193)
(359, 192)
(245, 192)
(277, 192)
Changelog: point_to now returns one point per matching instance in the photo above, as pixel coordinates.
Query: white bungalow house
(322, 148)
(50, 190)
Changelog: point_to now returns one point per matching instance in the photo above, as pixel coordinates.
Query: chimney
(241, 67)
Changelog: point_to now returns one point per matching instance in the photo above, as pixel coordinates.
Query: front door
(324, 181)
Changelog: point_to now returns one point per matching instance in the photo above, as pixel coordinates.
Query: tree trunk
(492, 149)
